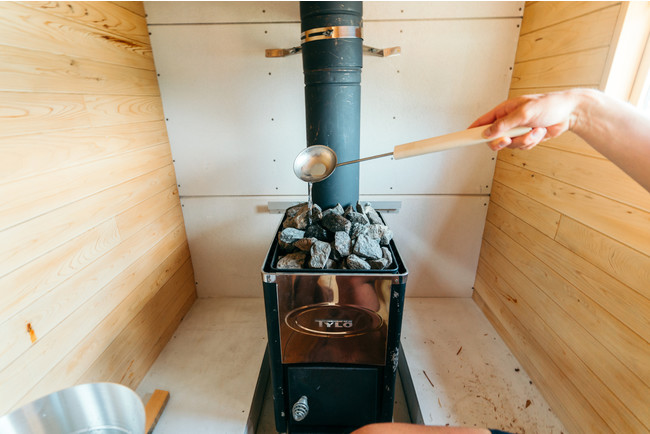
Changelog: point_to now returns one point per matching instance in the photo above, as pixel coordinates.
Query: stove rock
(288, 236)
(292, 261)
(367, 247)
(319, 254)
(356, 263)
(354, 238)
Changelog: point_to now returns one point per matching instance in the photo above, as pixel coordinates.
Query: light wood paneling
(113, 18)
(566, 37)
(135, 7)
(27, 199)
(34, 279)
(46, 313)
(622, 222)
(561, 275)
(592, 174)
(109, 109)
(24, 113)
(611, 256)
(144, 330)
(40, 71)
(540, 216)
(28, 28)
(91, 230)
(95, 345)
(27, 241)
(85, 306)
(554, 383)
(566, 69)
(570, 142)
(32, 154)
(563, 270)
(97, 314)
(30, 113)
(574, 351)
(541, 14)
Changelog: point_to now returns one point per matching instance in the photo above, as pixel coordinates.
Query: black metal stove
(333, 344)
(333, 334)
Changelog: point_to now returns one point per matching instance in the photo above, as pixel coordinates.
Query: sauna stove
(333, 334)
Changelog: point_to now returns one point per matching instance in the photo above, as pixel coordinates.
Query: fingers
(519, 113)
(501, 126)
(525, 142)
(500, 143)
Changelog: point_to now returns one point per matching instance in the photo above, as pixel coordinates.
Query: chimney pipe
(332, 51)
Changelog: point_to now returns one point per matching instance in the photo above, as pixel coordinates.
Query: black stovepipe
(332, 60)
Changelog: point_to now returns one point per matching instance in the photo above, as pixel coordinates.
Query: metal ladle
(316, 163)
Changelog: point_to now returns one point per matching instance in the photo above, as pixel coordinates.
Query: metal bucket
(98, 408)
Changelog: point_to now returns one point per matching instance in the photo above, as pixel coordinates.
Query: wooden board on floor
(154, 408)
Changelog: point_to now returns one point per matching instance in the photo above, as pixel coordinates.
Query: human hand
(549, 115)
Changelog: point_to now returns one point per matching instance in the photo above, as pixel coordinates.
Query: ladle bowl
(315, 163)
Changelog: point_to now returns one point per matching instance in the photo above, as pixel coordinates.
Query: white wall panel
(236, 118)
(236, 121)
(437, 236)
(434, 10)
(448, 74)
(177, 12)
(255, 12)
(229, 238)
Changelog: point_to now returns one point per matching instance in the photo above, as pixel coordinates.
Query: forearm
(617, 130)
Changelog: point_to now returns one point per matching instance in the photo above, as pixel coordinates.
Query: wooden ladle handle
(468, 137)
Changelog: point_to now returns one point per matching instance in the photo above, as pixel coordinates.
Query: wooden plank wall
(564, 268)
(95, 270)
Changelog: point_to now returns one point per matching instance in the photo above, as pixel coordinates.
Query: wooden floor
(462, 372)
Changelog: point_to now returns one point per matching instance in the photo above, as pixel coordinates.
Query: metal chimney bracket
(379, 52)
(282, 52)
(382, 52)
(331, 32)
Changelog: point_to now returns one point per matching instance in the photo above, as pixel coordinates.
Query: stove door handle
(300, 409)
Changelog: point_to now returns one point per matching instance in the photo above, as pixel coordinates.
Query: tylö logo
(333, 320)
(334, 323)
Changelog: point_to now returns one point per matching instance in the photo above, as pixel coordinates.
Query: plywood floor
(210, 367)
(462, 372)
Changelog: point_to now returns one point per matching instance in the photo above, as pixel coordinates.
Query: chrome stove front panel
(330, 318)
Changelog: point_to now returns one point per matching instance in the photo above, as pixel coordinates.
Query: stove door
(344, 397)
